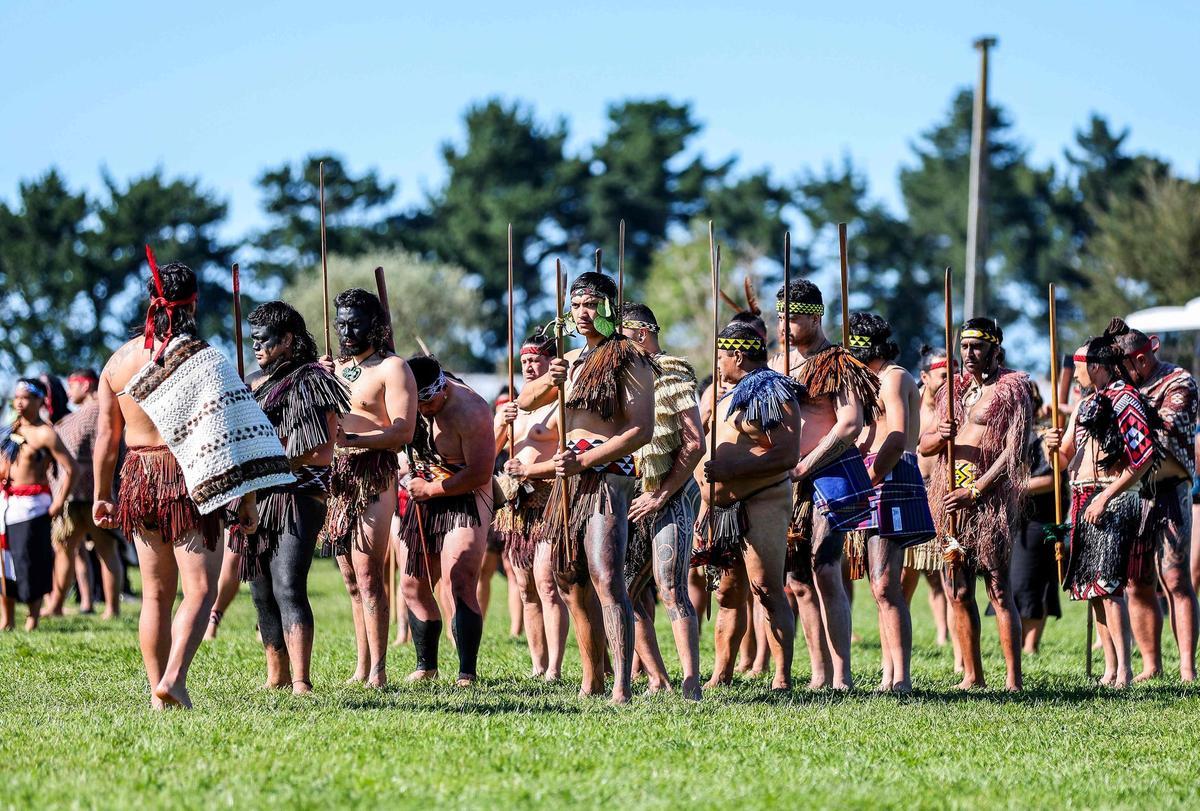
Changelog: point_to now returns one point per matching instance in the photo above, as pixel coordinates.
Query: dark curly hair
(740, 330)
(750, 319)
(598, 281)
(802, 291)
(1105, 349)
(380, 334)
(877, 331)
(179, 283)
(281, 318)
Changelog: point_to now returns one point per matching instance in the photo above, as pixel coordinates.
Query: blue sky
(220, 90)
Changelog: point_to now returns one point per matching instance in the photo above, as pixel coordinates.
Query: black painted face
(270, 347)
(353, 327)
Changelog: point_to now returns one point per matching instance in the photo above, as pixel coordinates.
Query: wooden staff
(512, 393)
(787, 303)
(1056, 462)
(620, 272)
(950, 522)
(381, 289)
(237, 320)
(714, 257)
(324, 262)
(562, 394)
(845, 285)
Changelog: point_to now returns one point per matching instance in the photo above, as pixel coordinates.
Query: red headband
(535, 349)
(1081, 359)
(937, 364)
(158, 302)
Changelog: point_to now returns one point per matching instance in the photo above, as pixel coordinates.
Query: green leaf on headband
(605, 309)
(604, 326)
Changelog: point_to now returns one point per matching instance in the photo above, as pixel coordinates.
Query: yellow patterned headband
(860, 341)
(630, 323)
(742, 344)
(800, 308)
(982, 335)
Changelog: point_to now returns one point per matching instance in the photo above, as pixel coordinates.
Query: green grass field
(75, 731)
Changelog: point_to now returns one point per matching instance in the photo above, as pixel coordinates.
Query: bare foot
(1187, 677)
(902, 688)
(842, 687)
(537, 673)
(552, 677)
(279, 685)
(743, 666)
(1107, 678)
(755, 672)
(302, 688)
(718, 681)
(781, 683)
(587, 692)
(465, 680)
(1013, 686)
(818, 683)
(156, 703)
(108, 615)
(1120, 681)
(691, 689)
(421, 675)
(1147, 675)
(214, 620)
(619, 698)
(968, 684)
(659, 687)
(31, 623)
(377, 682)
(173, 696)
(885, 686)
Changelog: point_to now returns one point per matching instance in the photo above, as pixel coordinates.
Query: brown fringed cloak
(985, 530)
(834, 368)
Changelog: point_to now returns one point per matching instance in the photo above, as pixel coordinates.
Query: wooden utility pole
(977, 201)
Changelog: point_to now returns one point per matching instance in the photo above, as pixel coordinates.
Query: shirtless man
(832, 486)
(27, 508)
(526, 483)
(609, 387)
(745, 488)
(75, 527)
(1108, 449)
(923, 560)
(446, 527)
(1171, 391)
(662, 517)
(362, 490)
(176, 542)
(992, 415)
(899, 515)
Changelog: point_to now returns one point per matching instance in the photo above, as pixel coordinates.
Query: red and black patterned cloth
(1171, 390)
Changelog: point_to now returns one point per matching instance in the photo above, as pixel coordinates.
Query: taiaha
(714, 258)
(845, 285)
(953, 552)
(324, 262)
(620, 272)
(381, 289)
(237, 320)
(562, 393)
(1056, 462)
(787, 303)
(512, 392)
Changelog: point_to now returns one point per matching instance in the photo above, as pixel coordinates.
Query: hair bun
(1116, 328)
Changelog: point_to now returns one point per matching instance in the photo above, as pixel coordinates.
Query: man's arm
(66, 467)
(895, 406)
(691, 451)
(847, 425)
(110, 425)
(478, 456)
(400, 399)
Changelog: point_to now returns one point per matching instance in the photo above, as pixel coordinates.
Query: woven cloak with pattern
(674, 394)
(212, 424)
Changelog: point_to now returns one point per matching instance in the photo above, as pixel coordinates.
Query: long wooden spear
(620, 273)
(381, 289)
(714, 256)
(845, 262)
(787, 303)
(237, 320)
(512, 392)
(952, 554)
(562, 394)
(324, 261)
(1056, 462)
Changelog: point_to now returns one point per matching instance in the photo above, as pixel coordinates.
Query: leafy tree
(512, 169)
(432, 300)
(356, 215)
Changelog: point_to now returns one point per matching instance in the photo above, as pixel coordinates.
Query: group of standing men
(610, 500)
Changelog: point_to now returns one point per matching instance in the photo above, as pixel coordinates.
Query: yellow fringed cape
(674, 393)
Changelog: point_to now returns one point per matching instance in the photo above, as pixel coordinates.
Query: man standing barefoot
(993, 414)
(446, 526)
(1165, 554)
(74, 528)
(174, 398)
(27, 449)
(661, 516)
(758, 429)
(899, 516)
(609, 387)
(1108, 447)
(362, 489)
(832, 486)
(526, 483)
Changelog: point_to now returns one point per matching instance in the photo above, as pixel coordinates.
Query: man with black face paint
(303, 400)
(381, 421)
(609, 388)
(444, 531)
(992, 416)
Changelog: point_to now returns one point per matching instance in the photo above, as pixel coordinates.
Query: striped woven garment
(212, 424)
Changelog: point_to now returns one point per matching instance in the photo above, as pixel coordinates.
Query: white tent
(1167, 319)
